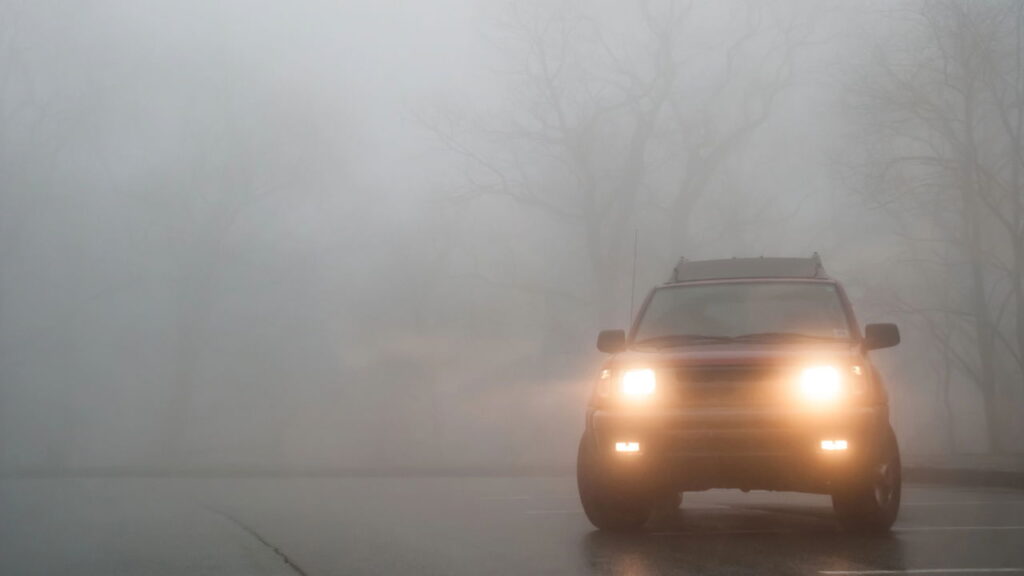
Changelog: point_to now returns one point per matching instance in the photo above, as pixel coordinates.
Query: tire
(608, 507)
(872, 502)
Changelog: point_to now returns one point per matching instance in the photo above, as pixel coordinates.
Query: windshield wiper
(785, 336)
(682, 340)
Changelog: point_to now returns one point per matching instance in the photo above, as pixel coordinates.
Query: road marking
(777, 531)
(554, 512)
(967, 503)
(942, 528)
(927, 571)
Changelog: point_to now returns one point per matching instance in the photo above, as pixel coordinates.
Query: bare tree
(607, 129)
(941, 104)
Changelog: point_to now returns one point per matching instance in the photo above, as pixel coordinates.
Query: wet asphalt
(343, 525)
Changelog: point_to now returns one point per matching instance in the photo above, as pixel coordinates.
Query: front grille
(741, 441)
(728, 385)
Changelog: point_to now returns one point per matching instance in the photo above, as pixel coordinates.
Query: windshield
(744, 309)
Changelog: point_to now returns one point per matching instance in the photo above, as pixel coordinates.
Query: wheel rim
(885, 484)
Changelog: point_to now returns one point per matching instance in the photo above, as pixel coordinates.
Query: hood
(739, 353)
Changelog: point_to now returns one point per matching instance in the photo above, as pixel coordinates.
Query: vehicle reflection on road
(719, 539)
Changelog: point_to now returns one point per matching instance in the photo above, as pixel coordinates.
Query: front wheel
(872, 503)
(607, 506)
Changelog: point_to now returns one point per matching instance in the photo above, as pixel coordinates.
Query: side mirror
(881, 336)
(611, 341)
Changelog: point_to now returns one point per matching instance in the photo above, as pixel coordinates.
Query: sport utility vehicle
(745, 373)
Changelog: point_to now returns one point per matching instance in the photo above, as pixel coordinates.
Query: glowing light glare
(834, 445)
(820, 383)
(604, 383)
(638, 382)
(627, 446)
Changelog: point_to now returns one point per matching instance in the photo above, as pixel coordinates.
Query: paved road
(330, 525)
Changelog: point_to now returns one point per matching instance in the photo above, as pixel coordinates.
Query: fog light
(627, 446)
(833, 445)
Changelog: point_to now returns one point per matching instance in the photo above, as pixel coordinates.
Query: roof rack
(692, 270)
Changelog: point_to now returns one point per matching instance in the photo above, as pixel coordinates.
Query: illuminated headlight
(820, 384)
(637, 383)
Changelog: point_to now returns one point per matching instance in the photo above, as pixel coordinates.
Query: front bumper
(762, 449)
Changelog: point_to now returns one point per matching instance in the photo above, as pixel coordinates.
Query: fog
(361, 235)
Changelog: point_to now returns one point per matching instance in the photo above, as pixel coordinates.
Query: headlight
(821, 384)
(636, 383)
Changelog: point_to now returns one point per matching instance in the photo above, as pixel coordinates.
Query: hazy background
(325, 235)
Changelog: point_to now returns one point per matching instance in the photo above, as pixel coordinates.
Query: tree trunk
(984, 328)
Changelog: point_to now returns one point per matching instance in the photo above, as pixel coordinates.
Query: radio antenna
(632, 288)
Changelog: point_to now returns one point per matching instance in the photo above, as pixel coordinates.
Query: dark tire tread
(607, 507)
(856, 506)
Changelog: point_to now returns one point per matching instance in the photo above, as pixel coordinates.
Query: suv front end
(773, 410)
